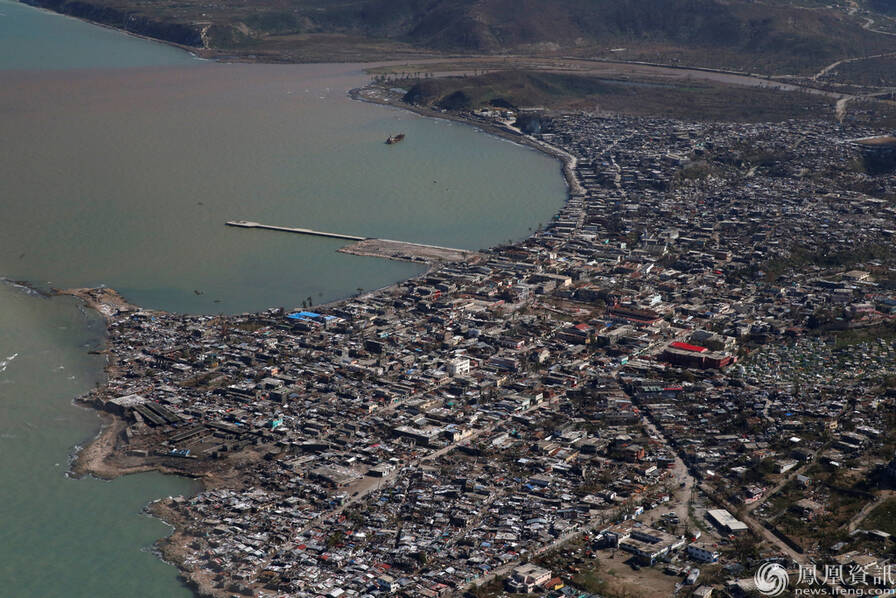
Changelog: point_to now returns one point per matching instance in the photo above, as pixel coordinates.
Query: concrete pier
(406, 252)
(301, 231)
(372, 247)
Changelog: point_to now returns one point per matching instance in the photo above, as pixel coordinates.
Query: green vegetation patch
(882, 517)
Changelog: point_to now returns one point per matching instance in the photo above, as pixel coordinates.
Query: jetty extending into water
(372, 247)
(287, 229)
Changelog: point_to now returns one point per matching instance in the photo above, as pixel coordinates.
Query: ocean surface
(125, 178)
(120, 161)
(36, 39)
(63, 537)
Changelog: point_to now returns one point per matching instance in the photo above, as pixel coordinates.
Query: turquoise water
(64, 537)
(120, 162)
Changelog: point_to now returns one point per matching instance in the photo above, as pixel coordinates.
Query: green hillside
(773, 36)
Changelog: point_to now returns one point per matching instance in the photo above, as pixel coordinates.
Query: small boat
(395, 139)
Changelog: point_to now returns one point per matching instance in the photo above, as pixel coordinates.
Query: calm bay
(121, 159)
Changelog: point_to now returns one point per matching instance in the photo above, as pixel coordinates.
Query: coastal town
(690, 372)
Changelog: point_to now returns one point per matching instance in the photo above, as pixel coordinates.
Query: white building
(459, 367)
(726, 521)
(526, 578)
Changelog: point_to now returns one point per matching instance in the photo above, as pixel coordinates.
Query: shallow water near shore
(66, 537)
(121, 161)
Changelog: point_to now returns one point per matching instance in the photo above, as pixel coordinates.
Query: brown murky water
(120, 160)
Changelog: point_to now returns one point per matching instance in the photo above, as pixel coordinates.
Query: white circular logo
(771, 579)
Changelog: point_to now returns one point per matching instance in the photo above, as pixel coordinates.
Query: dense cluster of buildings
(422, 438)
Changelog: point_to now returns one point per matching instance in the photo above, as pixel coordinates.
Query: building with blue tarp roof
(303, 315)
(311, 316)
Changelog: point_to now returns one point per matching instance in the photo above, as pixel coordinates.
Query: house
(459, 367)
(806, 508)
(783, 466)
(616, 534)
(387, 583)
(120, 405)
(633, 453)
(703, 553)
(752, 494)
(694, 356)
(579, 334)
(648, 544)
(722, 519)
(646, 552)
(642, 317)
(702, 592)
(527, 578)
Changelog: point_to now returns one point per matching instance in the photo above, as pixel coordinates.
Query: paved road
(680, 474)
